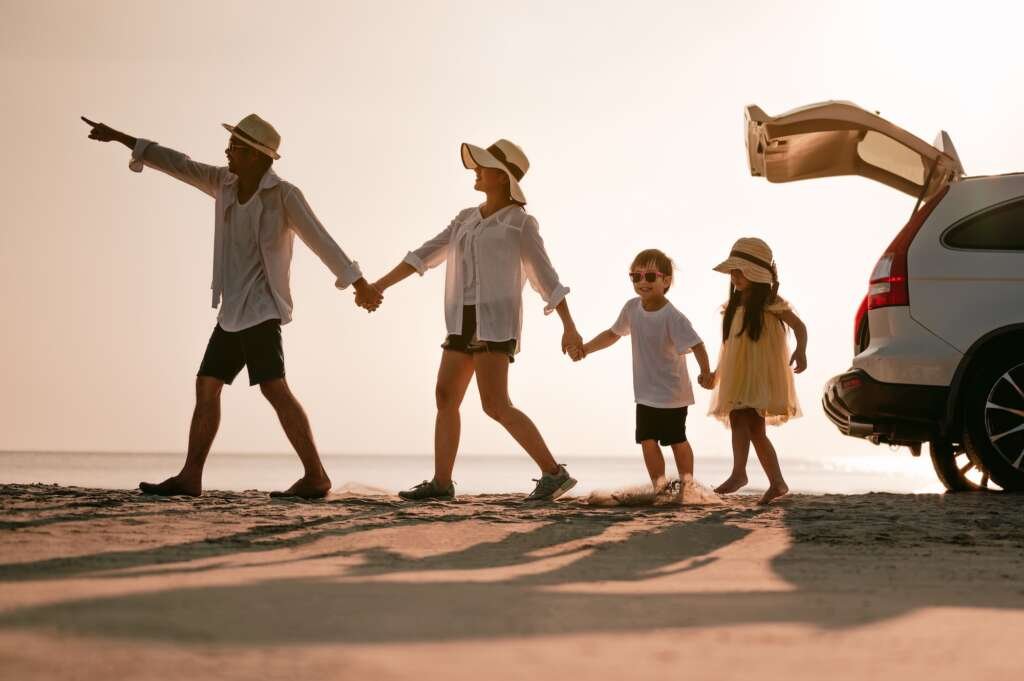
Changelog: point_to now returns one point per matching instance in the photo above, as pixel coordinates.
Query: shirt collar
(495, 214)
(269, 179)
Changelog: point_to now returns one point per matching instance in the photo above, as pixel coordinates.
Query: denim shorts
(468, 343)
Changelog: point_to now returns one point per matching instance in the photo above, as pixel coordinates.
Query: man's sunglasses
(649, 277)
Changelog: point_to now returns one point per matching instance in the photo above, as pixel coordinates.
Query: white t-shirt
(247, 298)
(661, 340)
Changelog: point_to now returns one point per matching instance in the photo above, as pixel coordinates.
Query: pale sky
(631, 114)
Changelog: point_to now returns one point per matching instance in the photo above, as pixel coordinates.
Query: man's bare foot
(732, 484)
(774, 492)
(172, 487)
(307, 488)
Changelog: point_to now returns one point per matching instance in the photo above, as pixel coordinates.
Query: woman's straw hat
(257, 133)
(753, 258)
(502, 155)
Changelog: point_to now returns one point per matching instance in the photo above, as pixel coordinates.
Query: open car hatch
(839, 138)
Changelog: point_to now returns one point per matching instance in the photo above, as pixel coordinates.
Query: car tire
(994, 418)
(956, 469)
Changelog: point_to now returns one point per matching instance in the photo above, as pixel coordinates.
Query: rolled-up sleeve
(434, 251)
(538, 269)
(300, 217)
(206, 178)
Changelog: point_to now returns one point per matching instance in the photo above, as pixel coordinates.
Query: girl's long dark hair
(758, 297)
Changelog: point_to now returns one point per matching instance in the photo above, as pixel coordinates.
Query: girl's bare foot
(733, 483)
(774, 492)
(172, 487)
(307, 488)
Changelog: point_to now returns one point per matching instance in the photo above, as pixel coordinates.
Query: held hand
(799, 358)
(100, 132)
(706, 380)
(368, 297)
(572, 344)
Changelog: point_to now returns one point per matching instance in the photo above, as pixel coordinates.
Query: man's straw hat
(504, 156)
(257, 133)
(753, 258)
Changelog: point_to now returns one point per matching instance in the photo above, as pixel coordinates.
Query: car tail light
(889, 285)
(851, 383)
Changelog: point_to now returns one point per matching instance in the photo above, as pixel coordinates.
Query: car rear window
(999, 229)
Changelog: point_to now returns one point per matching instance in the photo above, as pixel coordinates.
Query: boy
(661, 337)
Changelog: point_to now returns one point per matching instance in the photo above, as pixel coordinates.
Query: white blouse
(505, 251)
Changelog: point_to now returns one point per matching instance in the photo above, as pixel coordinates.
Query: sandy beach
(100, 584)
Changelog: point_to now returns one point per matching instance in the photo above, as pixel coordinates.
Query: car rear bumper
(891, 413)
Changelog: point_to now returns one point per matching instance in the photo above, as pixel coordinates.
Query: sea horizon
(475, 473)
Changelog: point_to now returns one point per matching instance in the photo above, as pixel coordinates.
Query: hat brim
(474, 156)
(255, 145)
(754, 273)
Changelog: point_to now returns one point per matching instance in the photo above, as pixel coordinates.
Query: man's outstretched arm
(204, 177)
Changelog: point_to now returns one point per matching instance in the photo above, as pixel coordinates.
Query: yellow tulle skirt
(756, 374)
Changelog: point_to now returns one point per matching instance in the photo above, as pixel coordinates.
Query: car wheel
(994, 419)
(957, 470)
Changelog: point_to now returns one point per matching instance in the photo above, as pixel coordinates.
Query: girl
(487, 250)
(753, 383)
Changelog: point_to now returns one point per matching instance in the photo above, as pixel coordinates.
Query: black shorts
(257, 348)
(468, 343)
(667, 426)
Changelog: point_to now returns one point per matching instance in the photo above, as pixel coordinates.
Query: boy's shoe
(550, 487)
(428, 489)
(669, 493)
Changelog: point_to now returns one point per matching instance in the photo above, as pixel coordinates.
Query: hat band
(516, 172)
(751, 258)
(248, 138)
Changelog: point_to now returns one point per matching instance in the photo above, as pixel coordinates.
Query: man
(256, 217)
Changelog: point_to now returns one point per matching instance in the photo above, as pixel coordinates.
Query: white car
(939, 338)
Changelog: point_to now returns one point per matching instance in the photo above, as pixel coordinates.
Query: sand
(101, 584)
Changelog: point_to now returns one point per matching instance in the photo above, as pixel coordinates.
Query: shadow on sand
(851, 560)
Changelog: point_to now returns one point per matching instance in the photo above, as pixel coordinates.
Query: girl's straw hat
(504, 156)
(753, 258)
(257, 133)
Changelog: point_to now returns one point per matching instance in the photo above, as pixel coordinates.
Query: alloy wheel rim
(1004, 416)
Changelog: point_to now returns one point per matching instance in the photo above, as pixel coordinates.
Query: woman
(487, 250)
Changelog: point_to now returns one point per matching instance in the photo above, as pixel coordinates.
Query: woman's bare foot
(307, 488)
(173, 487)
(774, 492)
(733, 483)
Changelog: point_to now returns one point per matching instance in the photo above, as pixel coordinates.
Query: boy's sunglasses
(649, 277)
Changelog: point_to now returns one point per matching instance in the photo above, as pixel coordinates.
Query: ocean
(474, 474)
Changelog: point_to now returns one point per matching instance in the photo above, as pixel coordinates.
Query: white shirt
(247, 298)
(466, 248)
(507, 251)
(660, 341)
(279, 210)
